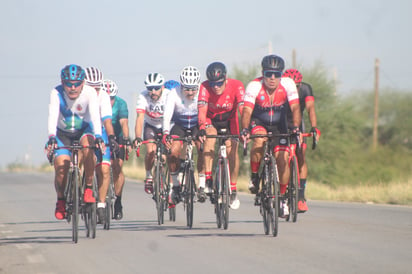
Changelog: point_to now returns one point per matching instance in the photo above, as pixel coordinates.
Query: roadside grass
(399, 193)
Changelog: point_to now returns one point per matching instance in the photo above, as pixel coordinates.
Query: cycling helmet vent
(190, 76)
(216, 71)
(110, 87)
(93, 76)
(273, 62)
(294, 74)
(154, 79)
(72, 73)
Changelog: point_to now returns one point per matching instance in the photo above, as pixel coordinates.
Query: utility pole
(294, 58)
(376, 108)
(270, 47)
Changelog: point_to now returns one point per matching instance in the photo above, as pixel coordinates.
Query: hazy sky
(128, 39)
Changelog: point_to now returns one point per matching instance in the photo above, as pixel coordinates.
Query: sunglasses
(190, 88)
(217, 84)
(270, 73)
(154, 88)
(75, 84)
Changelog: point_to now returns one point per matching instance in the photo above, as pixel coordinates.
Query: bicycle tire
(225, 193)
(216, 194)
(189, 199)
(274, 197)
(263, 205)
(293, 188)
(76, 202)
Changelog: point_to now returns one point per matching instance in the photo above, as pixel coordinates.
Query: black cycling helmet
(216, 71)
(273, 62)
(72, 73)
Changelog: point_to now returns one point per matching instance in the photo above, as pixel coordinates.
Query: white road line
(35, 259)
(6, 231)
(23, 246)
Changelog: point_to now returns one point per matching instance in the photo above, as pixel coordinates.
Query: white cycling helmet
(94, 77)
(190, 76)
(110, 87)
(154, 79)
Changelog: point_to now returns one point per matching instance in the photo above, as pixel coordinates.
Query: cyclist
(73, 109)
(120, 120)
(306, 100)
(218, 103)
(150, 111)
(94, 78)
(265, 111)
(181, 109)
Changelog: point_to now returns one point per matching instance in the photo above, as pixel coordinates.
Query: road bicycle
(221, 191)
(268, 198)
(74, 191)
(188, 186)
(161, 185)
(292, 192)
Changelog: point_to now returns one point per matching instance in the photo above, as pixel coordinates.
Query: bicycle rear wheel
(216, 196)
(293, 192)
(76, 202)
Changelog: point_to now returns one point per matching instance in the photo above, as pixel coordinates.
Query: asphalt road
(330, 238)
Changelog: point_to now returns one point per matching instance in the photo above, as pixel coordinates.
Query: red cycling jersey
(223, 107)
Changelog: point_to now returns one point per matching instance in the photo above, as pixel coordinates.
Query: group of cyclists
(85, 107)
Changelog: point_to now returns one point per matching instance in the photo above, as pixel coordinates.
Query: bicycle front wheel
(76, 202)
(157, 193)
(216, 196)
(190, 194)
(225, 193)
(273, 196)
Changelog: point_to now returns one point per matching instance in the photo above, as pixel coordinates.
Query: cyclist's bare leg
(61, 166)
(87, 157)
(233, 157)
(209, 149)
(173, 159)
(103, 180)
(303, 169)
(282, 159)
(118, 176)
(149, 158)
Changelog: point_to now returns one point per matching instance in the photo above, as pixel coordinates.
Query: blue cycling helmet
(171, 84)
(72, 73)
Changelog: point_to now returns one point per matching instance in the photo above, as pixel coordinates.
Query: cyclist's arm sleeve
(202, 103)
(169, 109)
(95, 113)
(54, 110)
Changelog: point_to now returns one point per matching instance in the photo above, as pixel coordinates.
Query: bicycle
(74, 191)
(161, 185)
(221, 191)
(294, 182)
(268, 198)
(188, 186)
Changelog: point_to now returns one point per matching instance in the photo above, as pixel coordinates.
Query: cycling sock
(118, 199)
(233, 186)
(283, 189)
(101, 205)
(208, 175)
(302, 188)
(254, 166)
(302, 183)
(202, 180)
(148, 174)
(174, 178)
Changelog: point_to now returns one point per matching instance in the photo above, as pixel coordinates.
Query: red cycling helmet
(294, 74)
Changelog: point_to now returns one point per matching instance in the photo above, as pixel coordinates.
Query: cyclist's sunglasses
(156, 88)
(270, 73)
(217, 84)
(75, 84)
(190, 88)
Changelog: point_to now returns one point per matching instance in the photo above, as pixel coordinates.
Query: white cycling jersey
(179, 110)
(154, 110)
(105, 105)
(73, 115)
